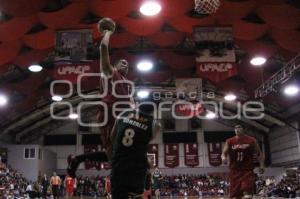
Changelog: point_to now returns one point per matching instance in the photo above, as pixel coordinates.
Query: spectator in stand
(69, 185)
(45, 185)
(55, 182)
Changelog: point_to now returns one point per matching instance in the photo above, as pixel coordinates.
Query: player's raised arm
(106, 27)
(156, 128)
(260, 156)
(114, 132)
(225, 153)
(105, 66)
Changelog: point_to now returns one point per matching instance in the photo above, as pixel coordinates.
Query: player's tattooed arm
(225, 153)
(105, 66)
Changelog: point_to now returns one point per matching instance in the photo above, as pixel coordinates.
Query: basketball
(106, 24)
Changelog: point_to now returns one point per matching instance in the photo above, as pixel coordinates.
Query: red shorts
(105, 129)
(147, 193)
(70, 190)
(241, 182)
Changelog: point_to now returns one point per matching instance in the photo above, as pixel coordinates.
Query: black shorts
(124, 184)
(55, 190)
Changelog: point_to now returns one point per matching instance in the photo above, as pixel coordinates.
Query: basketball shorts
(241, 182)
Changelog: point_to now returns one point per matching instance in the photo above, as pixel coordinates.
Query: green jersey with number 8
(133, 134)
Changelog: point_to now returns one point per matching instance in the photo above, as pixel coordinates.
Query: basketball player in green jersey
(156, 179)
(131, 135)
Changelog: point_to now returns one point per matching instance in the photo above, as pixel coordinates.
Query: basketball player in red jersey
(108, 187)
(240, 149)
(69, 184)
(110, 74)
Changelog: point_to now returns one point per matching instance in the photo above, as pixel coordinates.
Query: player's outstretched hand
(224, 159)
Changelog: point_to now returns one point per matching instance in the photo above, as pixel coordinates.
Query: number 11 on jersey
(240, 156)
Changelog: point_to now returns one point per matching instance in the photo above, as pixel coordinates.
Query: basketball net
(207, 6)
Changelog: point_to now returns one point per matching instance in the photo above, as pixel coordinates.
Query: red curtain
(287, 39)
(122, 40)
(114, 9)
(16, 27)
(32, 57)
(248, 31)
(9, 50)
(230, 11)
(166, 39)
(281, 16)
(65, 18)
(21, 8)
(142, 27)
(185, 23)
(41, 40)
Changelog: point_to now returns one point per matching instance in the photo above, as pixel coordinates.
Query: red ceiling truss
(279, 21)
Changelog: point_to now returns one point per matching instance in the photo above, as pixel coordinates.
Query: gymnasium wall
(71, 127)
(47, 163)
(28, 167)
(283, 141)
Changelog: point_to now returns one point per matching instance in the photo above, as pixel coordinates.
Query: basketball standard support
(281, 76)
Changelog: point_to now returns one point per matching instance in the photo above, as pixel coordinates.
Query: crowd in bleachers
(14, 186)
(12, 183)
(287, 187)
(194, 185)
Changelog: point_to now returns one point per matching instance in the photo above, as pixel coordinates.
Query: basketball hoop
(207, 6)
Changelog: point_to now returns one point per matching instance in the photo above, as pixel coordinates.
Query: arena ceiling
(27, 35)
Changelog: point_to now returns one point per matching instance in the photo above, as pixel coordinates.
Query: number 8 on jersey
(128, 137)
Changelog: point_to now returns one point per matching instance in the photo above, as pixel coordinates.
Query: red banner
(71, 72)
(189, 109)
(216, 72)
(214, 153)
(153, 153)
(105, 165)
(171, 155)
(89, 164)
(191, 158)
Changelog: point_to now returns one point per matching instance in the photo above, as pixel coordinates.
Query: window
(29, 153)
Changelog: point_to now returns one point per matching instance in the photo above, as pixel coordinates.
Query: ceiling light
(145, 66)
(258, 61)
(73, 116)
(150, 8)
(35, 68)
(3, 100)
(143, 94)
(57, 98)
(230, 97)
(210, 115)
(291, 90)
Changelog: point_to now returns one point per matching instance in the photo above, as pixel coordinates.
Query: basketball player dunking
(240, 149)
(110, 74)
